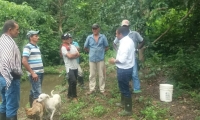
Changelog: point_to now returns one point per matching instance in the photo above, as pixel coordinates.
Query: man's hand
(34, 76)
(112, 60)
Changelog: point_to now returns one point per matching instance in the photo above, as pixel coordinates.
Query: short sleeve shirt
(96, 49)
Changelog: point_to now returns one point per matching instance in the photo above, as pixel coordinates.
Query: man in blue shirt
(96, 44)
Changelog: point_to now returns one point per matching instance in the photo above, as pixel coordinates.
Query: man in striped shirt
(32, 61)
(10, 71)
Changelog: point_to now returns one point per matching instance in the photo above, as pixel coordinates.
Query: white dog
(51, 103)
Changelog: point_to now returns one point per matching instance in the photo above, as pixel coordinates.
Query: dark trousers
(124, 76)
(72, 81)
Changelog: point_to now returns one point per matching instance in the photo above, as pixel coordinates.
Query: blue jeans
(124, 76)
(36, 86)
(135, 78)
(10, 97)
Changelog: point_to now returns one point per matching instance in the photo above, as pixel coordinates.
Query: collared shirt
(10, 58)
(69, 63)
(32, 52)
(135, 36)
(96, 49)
(125, 54)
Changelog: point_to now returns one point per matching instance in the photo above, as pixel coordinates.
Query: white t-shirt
(69, 63)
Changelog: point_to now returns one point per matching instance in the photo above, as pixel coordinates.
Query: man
(70, 54)
(124, 61)
(80, 72)
(10, 71)
(139, 43)
(32, 61)
(96, 44)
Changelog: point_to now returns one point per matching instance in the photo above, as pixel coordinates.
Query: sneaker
(137, 91)
(88, 93)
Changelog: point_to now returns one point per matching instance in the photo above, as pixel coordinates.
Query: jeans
(72, 81)
(36, 86)
(124, 76)
(10, 97)
(135, 78)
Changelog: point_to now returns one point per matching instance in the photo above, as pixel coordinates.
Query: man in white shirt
(124, 61)
(138, 43)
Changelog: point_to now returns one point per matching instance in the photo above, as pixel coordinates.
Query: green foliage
(51, 70)
(154, 113)
(98, 111)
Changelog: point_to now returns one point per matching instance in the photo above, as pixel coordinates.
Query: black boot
(128, 107)
(121, 104)
(2, 116)
(31, 100)
(12, 118)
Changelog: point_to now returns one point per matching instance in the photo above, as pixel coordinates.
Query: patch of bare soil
(181, 108)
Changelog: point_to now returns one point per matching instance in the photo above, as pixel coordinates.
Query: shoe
(88, 93)
(75, 100)
(104, 93)
(124, 113)
(137, 91)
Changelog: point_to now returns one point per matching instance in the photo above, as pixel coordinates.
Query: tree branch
(173, 24)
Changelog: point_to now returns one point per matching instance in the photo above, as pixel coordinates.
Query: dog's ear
(48, 96)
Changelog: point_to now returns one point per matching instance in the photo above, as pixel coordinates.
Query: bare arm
(141, 44)
(28, 68)
(106, 48)
(86, 49)
(72, 56)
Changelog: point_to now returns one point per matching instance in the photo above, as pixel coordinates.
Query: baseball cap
(66, 36)
(32, 32)
(125, 23)
(95, 25)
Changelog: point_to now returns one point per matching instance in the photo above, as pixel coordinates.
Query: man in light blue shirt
(96, 44)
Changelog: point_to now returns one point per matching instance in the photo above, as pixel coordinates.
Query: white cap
(125, 22)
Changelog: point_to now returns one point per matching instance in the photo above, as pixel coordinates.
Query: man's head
(33, 36)
(66, 38)
(122, 32)
(11, 28)
(125, 23)
(95, 29)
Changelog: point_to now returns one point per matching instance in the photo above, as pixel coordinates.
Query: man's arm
(28, 68)
(72, 56)
(141, 44)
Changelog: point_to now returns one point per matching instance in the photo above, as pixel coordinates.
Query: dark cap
(66, 36)
(95, 25)
(32, 32)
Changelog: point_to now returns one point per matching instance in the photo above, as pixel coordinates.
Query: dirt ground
(181, 108)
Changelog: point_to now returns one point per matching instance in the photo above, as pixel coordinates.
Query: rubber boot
(31, 100)
(128, 107)
(2, 116)
(12, 118)
(121, 104)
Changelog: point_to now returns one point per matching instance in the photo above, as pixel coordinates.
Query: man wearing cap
(96, 44)
(139, 43)
(32, 61)
(10, 71)
(80, 72)
(70, 54)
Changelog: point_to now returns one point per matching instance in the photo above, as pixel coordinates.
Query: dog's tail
(52, 92)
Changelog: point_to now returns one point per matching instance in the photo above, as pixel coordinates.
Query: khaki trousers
(97, 67)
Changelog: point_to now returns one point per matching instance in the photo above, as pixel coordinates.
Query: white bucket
(166, 91)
